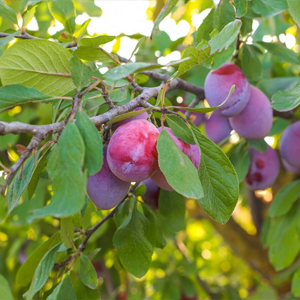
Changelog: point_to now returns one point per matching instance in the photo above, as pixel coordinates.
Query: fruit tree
(156, 163)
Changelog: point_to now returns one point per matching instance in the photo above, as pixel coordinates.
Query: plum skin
(131, 153)
(290, 144)
(217, 86)
(105, 189)
(217, 128)
(255, 120)
(197, 156)
(263, 169)
(152, 193)
(158, 177)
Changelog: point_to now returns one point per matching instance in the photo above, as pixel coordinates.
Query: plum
(217, 86)
(217, 128)
(290, 167)
(158, 176)
(152, 193)
(131, 153)
(142, 116)
(197, 155)
(255, 120)
(263, 169)
(290, 144)
(104, 188)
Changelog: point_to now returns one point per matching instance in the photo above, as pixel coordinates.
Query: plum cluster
(131, 156)
(248, 111)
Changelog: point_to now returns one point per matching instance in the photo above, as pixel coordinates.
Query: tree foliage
(62, 96)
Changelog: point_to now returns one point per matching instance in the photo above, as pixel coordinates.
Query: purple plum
(152, 193)
(217, 87)
(290, 144)
(217, 128)
(263, 169)
(255, 120)
(104, 188)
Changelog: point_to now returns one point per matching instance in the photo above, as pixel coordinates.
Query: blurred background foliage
(200, 260)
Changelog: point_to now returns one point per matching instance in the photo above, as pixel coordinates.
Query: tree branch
(24, 36)
(184, 251)
(249, 248)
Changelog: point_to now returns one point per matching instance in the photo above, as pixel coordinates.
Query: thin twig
(24, 36)
(90, 231)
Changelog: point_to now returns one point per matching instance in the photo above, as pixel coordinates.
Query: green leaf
(176, 124)
(39, 64)
(63, 291)
(260, 145)
(38, 169)
(279, 125)
(269, 8)
(69, 184)
(288, 100)
(206, 27)
(92, 141)
(171, 207)
(280, 225)
(155, 233)
(240, 159)
(220, 58)
(127, 115)
(251, 64)
(16, 94)
(134, 250)
(296, 283)
(67, 231)
(87, 273)
(164, 12)
(118, 95)
(282, 256)
(94, 54)
(26, 271)
(7, 12)
(218, 177)
(81, 73)
(271, 86)
(241, 7)
(28, 4)
(285, 199)
(122, 71)
(226, 37)
(294, 10)
(196, 56)
(137, 46)
(83, 292)
(96, 41)
(42, 272)
(281, 52)
(18, 186)
(64, 12)
(5, 291)
(177, 168)
(88, 7)
(224, 14)
(80, 32)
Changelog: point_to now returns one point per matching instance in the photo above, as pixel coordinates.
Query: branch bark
(249, 248)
